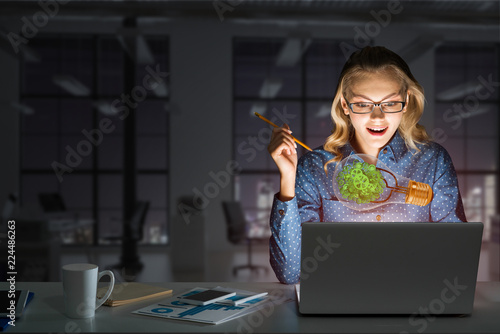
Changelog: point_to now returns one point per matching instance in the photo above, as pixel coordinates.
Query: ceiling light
(324, 111)
(293, 49)
(419, 46)
(258, 107)
(105, 108)
(161, 89)
(270, 88)
(71, 85)
(134, 43)
(459, 91)
(19, 107)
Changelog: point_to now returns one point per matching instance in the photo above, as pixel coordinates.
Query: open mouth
(377, 131)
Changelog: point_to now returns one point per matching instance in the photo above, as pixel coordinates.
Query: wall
(9, 127)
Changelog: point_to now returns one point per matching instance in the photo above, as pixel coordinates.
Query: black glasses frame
(403, 103)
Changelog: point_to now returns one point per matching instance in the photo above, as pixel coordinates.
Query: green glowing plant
(360, 182)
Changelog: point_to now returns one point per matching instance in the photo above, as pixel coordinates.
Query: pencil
(271, 123)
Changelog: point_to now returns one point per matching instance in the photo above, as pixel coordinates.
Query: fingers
(282, 142)
(289, 138)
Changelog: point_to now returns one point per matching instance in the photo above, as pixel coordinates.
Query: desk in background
(38, 245)
(45, 314)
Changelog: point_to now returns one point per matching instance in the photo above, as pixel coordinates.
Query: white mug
(80, 289)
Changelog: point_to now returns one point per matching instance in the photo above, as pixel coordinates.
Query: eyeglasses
(367, 107)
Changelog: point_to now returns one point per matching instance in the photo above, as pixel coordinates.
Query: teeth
(377, 130)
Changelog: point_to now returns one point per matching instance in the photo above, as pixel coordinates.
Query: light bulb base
(418, 193)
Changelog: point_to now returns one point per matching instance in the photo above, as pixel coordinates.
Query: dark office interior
(127, 126)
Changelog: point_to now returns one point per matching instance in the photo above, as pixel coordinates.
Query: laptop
(389, 268)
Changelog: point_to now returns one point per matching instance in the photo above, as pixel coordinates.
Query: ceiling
(460, 12)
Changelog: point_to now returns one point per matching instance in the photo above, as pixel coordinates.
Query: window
(76, 93)
(296, 87)
(467, 115)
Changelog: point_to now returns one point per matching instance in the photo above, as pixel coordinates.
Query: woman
(375, 111)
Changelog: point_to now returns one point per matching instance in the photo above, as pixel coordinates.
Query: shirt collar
(396, 146)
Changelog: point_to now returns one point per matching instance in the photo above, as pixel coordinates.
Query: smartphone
(12, 302)
(206, 297)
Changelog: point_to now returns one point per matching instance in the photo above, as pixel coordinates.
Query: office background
(153, 101)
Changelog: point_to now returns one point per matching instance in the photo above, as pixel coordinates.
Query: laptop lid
(389, 268)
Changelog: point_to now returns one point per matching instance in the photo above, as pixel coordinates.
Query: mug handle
(100, 301)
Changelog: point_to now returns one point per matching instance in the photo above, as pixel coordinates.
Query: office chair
(130, 264)
(237, 227)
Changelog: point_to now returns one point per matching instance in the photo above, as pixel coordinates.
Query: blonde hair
(377, 59)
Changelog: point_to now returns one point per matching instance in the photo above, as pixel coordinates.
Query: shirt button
(281, 212)
(385, 151)
(379, 217)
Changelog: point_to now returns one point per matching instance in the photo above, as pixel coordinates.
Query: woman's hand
(283, 150)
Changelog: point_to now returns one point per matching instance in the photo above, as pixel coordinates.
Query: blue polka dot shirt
(315, 200)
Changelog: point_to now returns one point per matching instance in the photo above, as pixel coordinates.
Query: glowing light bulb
(362, 182)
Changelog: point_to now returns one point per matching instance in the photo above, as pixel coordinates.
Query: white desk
(45, 314)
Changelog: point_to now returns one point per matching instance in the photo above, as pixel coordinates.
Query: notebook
(389, 268)
(5, 322)
(131, 292)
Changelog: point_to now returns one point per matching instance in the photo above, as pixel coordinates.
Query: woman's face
(373, 131)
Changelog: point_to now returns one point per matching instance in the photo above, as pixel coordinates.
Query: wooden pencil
(272, 124)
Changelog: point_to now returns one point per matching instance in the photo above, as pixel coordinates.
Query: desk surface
(45, 314)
